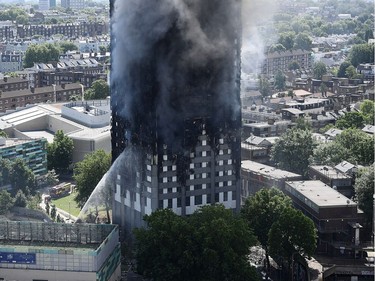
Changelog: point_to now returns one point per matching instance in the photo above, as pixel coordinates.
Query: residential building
(266, 129)
(369, 129)
(86, 123)
(73, 4)
(9, 84)
(32, 151)
(255, 176)
(187, 148)
(367, 70)
(31, 251)
(257, 149)
(336, 217)
(11, 100)
(11, 62)
(332, 133)
(280, 61)
(333, 178)
(347, 168)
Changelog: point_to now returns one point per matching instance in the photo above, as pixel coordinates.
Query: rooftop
(320, 193)
(330, 172)
(265, 170)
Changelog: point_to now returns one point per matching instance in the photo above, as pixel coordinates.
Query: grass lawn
(63, 203)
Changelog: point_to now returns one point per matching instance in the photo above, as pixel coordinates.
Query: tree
(67, 46)
(303, 124)
(361, 53)
(279, 81)
(211, 244)
(351, 119)
(20, 199)
(98, 90)
(331, 153)
(53, 212)
(323, 89)
(261, 211)
(60, 152)
(367, 109)
(3, 134)
(351, 72)
(22, 177)
(360, 145)
(6, 201)
(364, 191)
(88, 174)
(47, 206)
(342, 69)
(294, 65)
(302, 41)
(319, 69)
(292, 233)
(22, 19)
(292, 151)
(276, 48)
(287, 40)
(264, 88)
(43, 53)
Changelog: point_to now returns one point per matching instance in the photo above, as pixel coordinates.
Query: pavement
(63, 214)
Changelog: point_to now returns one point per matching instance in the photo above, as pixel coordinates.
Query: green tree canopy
(319, 69)
(98, 90)
(262, 210)
(292, 233)
(302, 41)
(211, 244)
(294, 65)
(88, 174)
(264, 87)
(60, 152)
(331, 153)
(280, 81)
(360, 145)
(351, 119)
(292, 151)
(367, 108)
(342, 69)
(287, 40)
(67, 46)
(41, 53)
(361, 53)
(364, 191)
(20, 199)
(6, 201)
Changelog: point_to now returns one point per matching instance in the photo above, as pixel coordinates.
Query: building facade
(181, 136)
(31, 251)
(32, 151)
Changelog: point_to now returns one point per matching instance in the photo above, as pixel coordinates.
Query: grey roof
(369, 129)
(333, 132)
(320, 194)
(255, 140)
(344, 166)
(267, 171)
(293, 111)
(330, 172)
(10, 80)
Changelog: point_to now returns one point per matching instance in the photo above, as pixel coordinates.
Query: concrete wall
(55, 124)
(50, 275)
(36, 124)
(84, 146)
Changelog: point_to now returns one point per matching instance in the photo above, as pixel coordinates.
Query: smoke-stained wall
(175, 85)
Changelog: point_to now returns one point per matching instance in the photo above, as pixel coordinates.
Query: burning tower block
(176, 112)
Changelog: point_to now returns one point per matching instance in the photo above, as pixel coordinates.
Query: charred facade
(175, 107)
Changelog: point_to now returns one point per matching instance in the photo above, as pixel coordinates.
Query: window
(187, 200)
(198, 200)
(208, 198)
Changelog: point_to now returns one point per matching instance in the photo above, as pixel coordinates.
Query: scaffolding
(53, 234)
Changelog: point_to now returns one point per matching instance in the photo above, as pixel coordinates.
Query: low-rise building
(336, 217)
(86, 123)
(31, 251)
(8, 84)
(255, 176)
(57, 93)
(332, 177)
(32, 151)
(11, 62)
(271, 128)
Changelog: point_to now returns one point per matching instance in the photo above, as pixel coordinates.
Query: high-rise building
(175, 98)
(73, 4)
(44, 5)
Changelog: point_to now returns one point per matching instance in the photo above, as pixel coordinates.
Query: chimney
(63, 86)
(32, 89)
(271, 121)
(5, 79)
(324, 113)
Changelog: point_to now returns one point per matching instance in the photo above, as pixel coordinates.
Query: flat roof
(265, 170)
(40, 134)
(330, 172)
(14, 142)
(320, 193)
